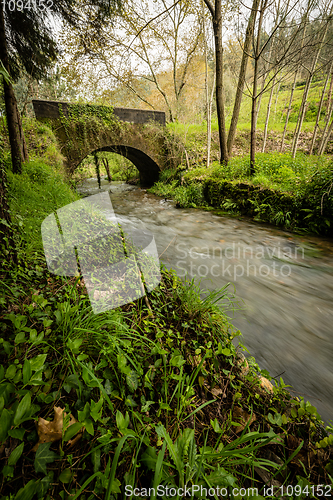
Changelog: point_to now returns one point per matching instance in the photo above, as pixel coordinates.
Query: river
(283, 281)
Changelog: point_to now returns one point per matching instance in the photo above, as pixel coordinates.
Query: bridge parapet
(50, 109)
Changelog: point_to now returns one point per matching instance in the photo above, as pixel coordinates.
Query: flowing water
(285, 283)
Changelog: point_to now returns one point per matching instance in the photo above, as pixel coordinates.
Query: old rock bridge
(133, 133)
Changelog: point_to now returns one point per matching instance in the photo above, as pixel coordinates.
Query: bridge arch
(139, 139)
(148, 169)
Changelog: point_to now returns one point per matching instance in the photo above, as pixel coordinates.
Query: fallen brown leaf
(242, 417)
(50, 431)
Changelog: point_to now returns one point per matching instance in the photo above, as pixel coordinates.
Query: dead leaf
(242, 417)
(50, 431)
(216, 391)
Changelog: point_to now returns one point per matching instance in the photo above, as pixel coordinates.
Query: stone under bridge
(132, 133)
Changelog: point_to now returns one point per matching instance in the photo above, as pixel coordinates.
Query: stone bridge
(133, 133)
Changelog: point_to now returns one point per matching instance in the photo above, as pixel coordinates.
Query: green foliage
(185, 196)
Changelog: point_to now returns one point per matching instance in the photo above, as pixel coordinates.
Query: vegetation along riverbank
(294, 193)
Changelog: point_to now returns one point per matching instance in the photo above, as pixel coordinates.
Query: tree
(242, 75)
(322, 32)
(285, 55)
(216, 14)
(16, 137)
(257, 50)
(148, 55)
(6, 237)
(27, 42)
(320, 108)
(208, 94)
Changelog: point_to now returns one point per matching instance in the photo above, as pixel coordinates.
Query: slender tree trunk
(254, 111)
(216, 13)
(209, 123)
(329, 98)
(107, 168)
(302, 110)
(288, 111)
(242, 76)
(277, 97)
(217, 26)
(320, 108)
(208, 109)
(325, 139)
(97, 169)
(267, 114)
(18, 146)
(254, 118)
(6, 233)
(294, 82)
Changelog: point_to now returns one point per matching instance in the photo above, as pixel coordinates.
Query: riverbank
(158, 391)
(295, 194)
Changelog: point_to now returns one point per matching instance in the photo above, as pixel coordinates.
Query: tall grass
(33, 195)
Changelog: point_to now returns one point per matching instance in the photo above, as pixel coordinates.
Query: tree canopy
(30, 32)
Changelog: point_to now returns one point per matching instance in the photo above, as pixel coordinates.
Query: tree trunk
(322, 145)
(325, 139)
(216, 13)
(242, 76)
(97, 169)
(302, 110)
(6, 233)
(220, 92)
(320, 108)
(217, 26)
(18, 146)
(107, 168)
(209, 123)
(288, 111)
(267, 115)
(208, 109)
(254, 111)
(329, 98)
(276, 100)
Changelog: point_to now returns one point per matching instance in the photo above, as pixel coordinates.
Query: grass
(153, 393)
(273, 170)
(33, 195)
